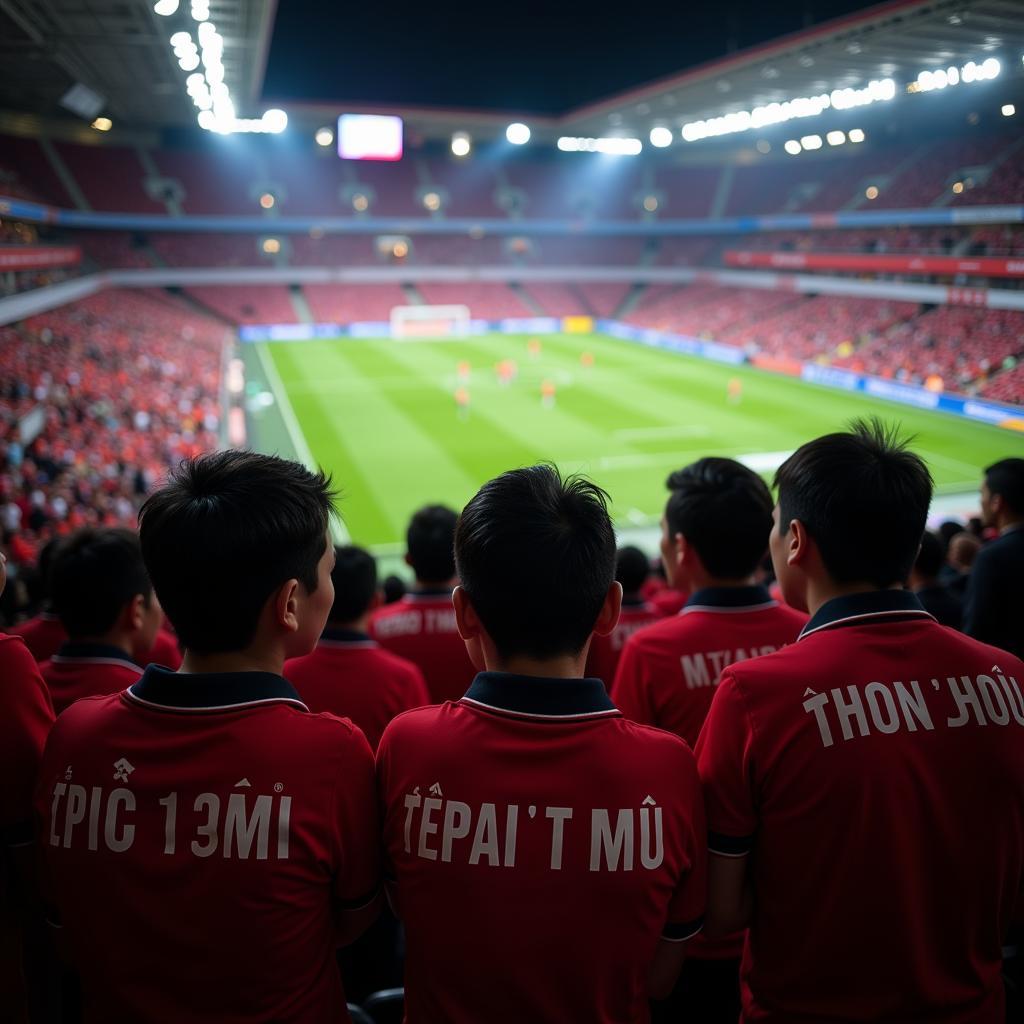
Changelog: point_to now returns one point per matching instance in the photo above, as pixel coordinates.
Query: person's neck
(820, 592)
(421, 586)
(115, 638)
(568, 666)
(918, 582)
(360, 625)
(250, 660)
(705, 581)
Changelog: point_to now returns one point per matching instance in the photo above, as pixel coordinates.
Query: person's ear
(798, 544)
(135, 613)
(466, 619)
(608, 616)
(286, 606)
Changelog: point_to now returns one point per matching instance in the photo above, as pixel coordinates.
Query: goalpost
(417, 323)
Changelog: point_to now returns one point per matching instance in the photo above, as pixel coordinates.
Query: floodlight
(432, 201)
(103, 124)
(267, 201)
(165, 7)
(461, 144)
(836, 138)
(271, 246)
(180, 39)
(661, 137)
(1008, 110)
(650, 203)
(792, 147)
(871, 192)
(324, 137)
(189, 62)
(360, 203)
(274, 121)
(811, 142)
(856, 135)
(958, 187)
(517, 133)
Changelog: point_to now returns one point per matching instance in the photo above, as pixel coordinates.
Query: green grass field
(381, 415)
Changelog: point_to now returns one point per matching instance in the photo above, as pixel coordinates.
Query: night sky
(543, 58)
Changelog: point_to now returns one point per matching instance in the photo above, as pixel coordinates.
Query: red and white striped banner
(38, 257)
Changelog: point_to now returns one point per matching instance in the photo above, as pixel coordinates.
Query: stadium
(417, 261)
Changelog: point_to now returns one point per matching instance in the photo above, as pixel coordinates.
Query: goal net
(411, 323)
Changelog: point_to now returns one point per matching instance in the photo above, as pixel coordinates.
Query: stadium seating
(247, 304)
(345, 303)
(491, 301)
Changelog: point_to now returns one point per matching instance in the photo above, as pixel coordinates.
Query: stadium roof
(120, 50)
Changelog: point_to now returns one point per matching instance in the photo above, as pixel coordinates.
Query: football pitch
(382, 416)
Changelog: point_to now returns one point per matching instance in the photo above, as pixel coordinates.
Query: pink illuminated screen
(369, 137)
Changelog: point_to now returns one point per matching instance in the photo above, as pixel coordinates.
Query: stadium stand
(343, 303)
(247, 304)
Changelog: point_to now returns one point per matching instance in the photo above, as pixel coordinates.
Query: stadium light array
(461, 144)
(165, 7)
(324, 137)
(792, 147)
(836, 138)
(661, 137)
(811, 142)
(200, 10)
(876, 91)
(941, 78)
(610, 146)
(518, 133)
(1008, 110)
(856, 135)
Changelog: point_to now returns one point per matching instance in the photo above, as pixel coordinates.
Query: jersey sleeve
(357, 826)
(629, 692)
(725, 763)
(686, 910)
(26, 716)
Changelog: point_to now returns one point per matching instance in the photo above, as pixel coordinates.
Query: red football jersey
(668, 671)
(80, 670)
(605, 651)
(540, 845)
(208, 826)
(43, 635)
(875, 772)
(165, 651)
(352, 676)
(421, 628)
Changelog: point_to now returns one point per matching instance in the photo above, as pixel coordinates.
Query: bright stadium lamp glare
(518, 133)
(267, 201)
(1008, 110)
(856, 135)
(324, 137)
(360, 203)
(661, 137)
(274, 121)
(811, 142)
(461, 144)
(650, 203)
(165, 7)
(871, 192)
(792, 147)
(271, 246)
(836, 138)
(103, 124)
(189, 62)
(180, 39)
(958, 187)
(432, 201)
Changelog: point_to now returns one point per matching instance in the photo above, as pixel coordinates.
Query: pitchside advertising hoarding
(826, 376)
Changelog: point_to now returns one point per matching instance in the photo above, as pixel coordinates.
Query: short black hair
(93, 575)
(430, 543)
(355, 582)
(863, 496)
(723, 509)
(1006, 478)
(225, 531)
(932, 555)
(631, 568)
(393, 588)
(948, 530)
(536, 556)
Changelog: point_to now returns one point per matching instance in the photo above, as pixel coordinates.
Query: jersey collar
(875, 606)
(81, 651)
(540, 698)
(164, 690)
(428, 594)
(729, 599)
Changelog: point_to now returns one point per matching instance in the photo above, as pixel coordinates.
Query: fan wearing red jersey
(548, 855)
(714, 534)
(207, 840)
(631, 570)
(420, 626)
(865, 785)
(105, 602)
(25, 720)
(348, 673)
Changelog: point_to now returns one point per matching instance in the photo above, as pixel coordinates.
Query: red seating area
(1007, 386)
(215, 180)
(113, 249)
(1006, 185)
(349, 303)
(961, 345)
(705, 310)
(486, 300)
(247, 303)
(110, 177)
(816, 327)
(556, 299)
(34, 171)
(209, 249)
(603, 299)
(128, 383)
(688, 191)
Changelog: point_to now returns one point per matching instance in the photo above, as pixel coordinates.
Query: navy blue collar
(875, 606)
(165, 690)
(729, 599)
(84, 650)
(338, 635)
(540, 697)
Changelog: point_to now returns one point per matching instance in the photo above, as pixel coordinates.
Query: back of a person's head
(536, 556)
(948, 530)
(963, 549)
(393, 588)
(631, 568)
(430, 541)
(94, 574)
(1006, 479)
(355, 583)
(224, 532)
(724, 510)
(863, 497)
(931, 556)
